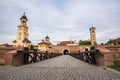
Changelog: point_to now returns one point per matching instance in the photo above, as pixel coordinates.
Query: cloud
(61, 20)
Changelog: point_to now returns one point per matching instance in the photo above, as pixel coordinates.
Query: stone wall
(105, 57)
(70, 48)
(12, 58)
(116, 52)
(3, 55)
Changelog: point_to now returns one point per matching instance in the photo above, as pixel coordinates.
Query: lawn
(116, 65)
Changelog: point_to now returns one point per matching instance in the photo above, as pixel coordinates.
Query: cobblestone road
(63, 67)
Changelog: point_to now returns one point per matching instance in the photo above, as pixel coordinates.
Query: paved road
(63, 67)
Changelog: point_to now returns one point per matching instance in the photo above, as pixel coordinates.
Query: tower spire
(24, 17)
(24, 13)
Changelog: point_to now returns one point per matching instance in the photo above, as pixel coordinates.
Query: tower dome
(47, 37)
(24, 17)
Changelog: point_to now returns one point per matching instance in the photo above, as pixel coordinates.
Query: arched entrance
(65, 52)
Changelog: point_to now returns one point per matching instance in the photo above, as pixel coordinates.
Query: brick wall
(9, 59)
(108, 59)
(12, 58)
(3, 55)
(116, 52)
(105, 58)
(70, 48)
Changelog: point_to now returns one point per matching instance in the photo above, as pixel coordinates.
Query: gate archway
(66, 51)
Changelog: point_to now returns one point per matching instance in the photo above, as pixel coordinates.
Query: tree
(31, 47)
(119, 42)
(85, 42)
(102, 44)
(110, 41)
(114, 41)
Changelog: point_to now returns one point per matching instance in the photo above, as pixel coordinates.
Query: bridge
(58, 66)
(64, 67)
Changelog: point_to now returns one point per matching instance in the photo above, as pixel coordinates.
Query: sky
(60, 19)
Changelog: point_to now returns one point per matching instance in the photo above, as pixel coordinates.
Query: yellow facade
(22, 34)
(43, 47)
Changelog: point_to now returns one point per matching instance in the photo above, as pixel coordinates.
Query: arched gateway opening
(65, 52)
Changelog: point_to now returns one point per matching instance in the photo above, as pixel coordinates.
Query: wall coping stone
(103, 50)
(12, 52)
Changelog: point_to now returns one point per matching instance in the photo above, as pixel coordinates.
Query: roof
(116, 39)
(26, 40)
(66, 42)
(35, 45)
(24, 17)
(112, 41)
(43, 42)
(47, 37)
(14, 41)
(5, 44)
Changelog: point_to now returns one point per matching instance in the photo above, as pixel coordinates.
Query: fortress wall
(116, 52)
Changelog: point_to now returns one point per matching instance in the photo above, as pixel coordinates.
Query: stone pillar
(12, 58)
(105, 58)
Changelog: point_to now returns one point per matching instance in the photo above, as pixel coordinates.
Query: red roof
(43, 43)
(5, 44)
(66, 42)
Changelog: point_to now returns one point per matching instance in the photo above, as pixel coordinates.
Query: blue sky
(60, 19)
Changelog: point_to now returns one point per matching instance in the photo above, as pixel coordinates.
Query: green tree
(31, 47)
(119, 42)
(114, 42)
(85, 42)
(102, 44)
(110, 41)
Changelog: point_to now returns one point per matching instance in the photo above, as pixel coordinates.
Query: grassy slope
(116, 65)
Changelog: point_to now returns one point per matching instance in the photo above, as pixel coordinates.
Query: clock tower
(92, 35)
(22, 34)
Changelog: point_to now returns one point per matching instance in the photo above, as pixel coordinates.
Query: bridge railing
(89, 56)
(34, 56)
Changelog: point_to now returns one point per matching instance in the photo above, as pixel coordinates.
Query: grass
(116, 65)
(1, 64)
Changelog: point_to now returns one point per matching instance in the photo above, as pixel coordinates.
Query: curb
(112, 70)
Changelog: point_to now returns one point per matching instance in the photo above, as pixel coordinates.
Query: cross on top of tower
(47, 37)
(24, 17)
(92, 27)
(24, 13)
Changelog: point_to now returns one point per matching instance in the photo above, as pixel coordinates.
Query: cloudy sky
(60, 19)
